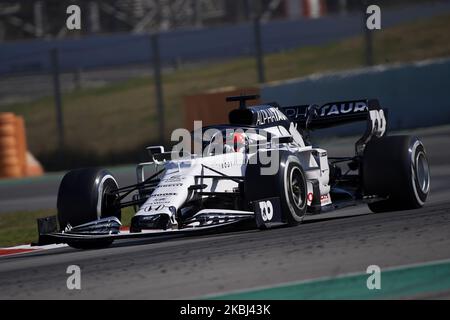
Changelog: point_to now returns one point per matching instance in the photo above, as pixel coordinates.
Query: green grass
(20, 227)
(121, 119)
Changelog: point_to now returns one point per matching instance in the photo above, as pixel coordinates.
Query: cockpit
(215, 140)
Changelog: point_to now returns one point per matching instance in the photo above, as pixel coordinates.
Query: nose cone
(169, 196)
(150, 222)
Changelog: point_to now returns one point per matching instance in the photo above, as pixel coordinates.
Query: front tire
(85, 195)
(396, 168)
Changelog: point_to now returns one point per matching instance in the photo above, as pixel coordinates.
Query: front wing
(108, 229)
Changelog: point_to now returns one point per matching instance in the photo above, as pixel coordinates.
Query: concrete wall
(416, 94)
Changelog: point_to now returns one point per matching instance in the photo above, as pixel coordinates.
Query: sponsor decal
(337, 109)
(154, 208)
(170, 185)
(295, 113)
(164, 201)
(159, 208)
(229, 164)
(266, 208)
(270, 115)
(323, 199)
(173, 179)
(268, 213)
(163, 195)
(331, 109)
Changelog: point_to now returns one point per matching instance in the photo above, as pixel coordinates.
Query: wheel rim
(107, 185)
(423, 172)
(296, 187)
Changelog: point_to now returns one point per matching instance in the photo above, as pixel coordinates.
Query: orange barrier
(21, 144)
(14, 159)
(33, 167)
(211, 107)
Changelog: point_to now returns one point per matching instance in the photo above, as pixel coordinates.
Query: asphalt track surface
(330, 245)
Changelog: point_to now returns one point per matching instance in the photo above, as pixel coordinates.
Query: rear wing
(331, 114)
(311, 117)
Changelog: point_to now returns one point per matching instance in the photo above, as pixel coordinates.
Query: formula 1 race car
(258, 171)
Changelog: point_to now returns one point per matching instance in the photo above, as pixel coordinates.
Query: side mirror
(152, 151)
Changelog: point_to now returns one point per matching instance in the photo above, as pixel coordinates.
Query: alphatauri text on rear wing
(332, 114)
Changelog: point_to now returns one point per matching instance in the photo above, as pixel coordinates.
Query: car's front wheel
(86, 195)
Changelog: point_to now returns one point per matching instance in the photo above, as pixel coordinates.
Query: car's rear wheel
(396, 168)
(288, 184)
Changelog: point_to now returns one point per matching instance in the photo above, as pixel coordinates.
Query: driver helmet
(240, 141)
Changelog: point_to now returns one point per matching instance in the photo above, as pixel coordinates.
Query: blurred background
(138, 69)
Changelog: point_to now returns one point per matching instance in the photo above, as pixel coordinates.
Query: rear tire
(397, 168)
(288, 184)
(84, 197)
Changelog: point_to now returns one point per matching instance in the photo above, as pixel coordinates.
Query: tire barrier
(15, 160)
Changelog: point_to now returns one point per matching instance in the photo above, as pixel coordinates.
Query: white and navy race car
(258, 171)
